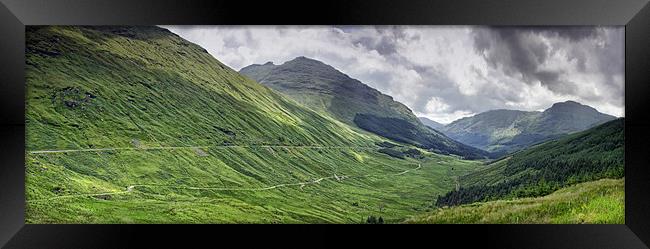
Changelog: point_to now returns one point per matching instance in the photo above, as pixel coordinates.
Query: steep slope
(403, 131)
(137, 125)
(329, 91)
(433, 124)
(584, 156)
(504, 131)
(323, 88)
(106, 86)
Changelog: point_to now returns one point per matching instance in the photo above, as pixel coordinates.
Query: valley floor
(237, 184)
(599, 202)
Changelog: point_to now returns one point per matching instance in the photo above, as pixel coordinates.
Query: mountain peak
(567, 103)
(323, 88)
(302, 57)
(570, 105)
(305, 60)
(268, 63)
(510, 130)
(313, 67)
(501, 111)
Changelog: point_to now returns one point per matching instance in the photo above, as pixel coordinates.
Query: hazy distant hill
(327, 90)
(431, 123)
(510, 130)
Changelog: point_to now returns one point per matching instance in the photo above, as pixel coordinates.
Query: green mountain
(137, 125)
(504, 131)
(584, 156)
(95, 93)
(323, 88)
(433, 124)
(326, 90)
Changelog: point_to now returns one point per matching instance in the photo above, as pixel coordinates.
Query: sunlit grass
(596, 202)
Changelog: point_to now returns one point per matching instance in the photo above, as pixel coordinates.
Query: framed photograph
(512, 124)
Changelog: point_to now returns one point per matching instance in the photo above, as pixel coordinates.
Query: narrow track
(198, 147)
(130, 188)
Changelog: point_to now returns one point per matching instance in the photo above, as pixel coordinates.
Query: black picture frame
(16, 14)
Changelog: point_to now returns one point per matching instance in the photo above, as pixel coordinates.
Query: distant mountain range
(504, 131)
(324, 89)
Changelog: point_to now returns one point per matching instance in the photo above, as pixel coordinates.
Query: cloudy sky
(445, 72)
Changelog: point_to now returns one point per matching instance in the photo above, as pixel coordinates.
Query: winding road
(130, 188)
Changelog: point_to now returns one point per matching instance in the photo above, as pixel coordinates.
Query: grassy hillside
(137, 125)
(505, 131)
(110, 86)
(597, 202)
(585, 156)
(323, 88)
(326, 90)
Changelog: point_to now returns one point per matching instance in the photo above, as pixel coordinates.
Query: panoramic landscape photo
(324, 124)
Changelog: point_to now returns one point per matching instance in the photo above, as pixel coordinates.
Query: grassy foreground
(596, 202)
(232, 185)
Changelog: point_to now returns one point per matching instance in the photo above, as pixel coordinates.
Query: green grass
(145, 87)
(580, 157)
(160, 90)
(597, 202)
(137, 89)
(165, 199)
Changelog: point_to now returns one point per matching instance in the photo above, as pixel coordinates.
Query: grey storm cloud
(384, 41)
(445, 72)
(520, 51)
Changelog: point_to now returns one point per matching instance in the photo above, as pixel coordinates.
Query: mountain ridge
(327, 90)
(321, 78)
(433, 124)
(506, 130)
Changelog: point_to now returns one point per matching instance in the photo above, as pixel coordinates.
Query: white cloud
(443, 72)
